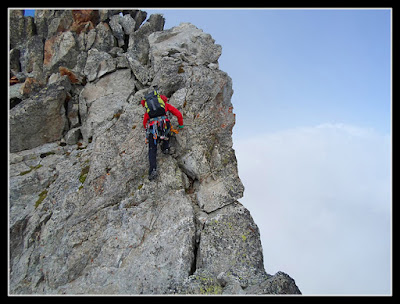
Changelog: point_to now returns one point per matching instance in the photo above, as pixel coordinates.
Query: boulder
(31, 58)
(49, 23)
(30, 85)
(122, 26)
(138, 15)
(100, 102)
(138, 41)
(15, 65)
(40, 119)
(21, 28)
(84, 20)
(97, 64)
(73, 78)
(230, 243)
(280, 283)
(60, 22)
(104, 39)
(185, 42)
(60, 50)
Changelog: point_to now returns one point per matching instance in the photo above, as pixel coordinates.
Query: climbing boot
(153, 174)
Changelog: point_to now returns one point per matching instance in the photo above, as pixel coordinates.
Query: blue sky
(312, 97)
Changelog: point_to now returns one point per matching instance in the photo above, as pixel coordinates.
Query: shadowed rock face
(83, 216)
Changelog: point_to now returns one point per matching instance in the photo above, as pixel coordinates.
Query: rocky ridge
(83, 217)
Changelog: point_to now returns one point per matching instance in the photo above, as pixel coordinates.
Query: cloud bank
(321, 197)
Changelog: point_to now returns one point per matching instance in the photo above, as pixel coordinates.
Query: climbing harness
(159, 127)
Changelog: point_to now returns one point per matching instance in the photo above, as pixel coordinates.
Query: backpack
(155, 106)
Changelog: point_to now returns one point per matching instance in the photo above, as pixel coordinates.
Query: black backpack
(155, 106)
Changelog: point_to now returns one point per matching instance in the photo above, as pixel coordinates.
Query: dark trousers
(153, 149)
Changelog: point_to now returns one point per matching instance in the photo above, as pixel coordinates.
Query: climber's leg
(152, 154)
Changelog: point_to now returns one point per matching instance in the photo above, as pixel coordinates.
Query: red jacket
(168, 107)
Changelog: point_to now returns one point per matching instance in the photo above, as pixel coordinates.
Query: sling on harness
(176, 131)
(159, 127)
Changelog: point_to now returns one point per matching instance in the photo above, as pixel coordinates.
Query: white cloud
(321, 197)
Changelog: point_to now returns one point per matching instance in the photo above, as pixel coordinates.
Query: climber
(157, 125)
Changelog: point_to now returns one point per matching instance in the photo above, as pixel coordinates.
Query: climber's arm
(164, 98)
(175, 112)
(145, 119)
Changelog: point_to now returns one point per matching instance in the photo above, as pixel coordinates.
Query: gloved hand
(181, 127)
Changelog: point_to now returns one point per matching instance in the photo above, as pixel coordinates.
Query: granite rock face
(83, 216)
